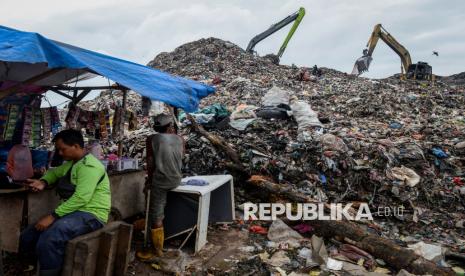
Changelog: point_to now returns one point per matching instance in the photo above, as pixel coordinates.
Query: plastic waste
(276, 96)
(408, 176)
(439, 153)
(332, 142)
(428, 251)
(19, 164)
(395, 125)
(279, 258)
(280, 232)
(334, 264)
(258, 229)
(95, 149)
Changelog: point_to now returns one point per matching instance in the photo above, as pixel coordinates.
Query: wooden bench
(102, 252)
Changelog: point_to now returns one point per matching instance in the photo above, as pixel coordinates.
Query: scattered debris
(325, 137)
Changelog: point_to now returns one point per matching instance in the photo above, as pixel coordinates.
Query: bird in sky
(435, 53)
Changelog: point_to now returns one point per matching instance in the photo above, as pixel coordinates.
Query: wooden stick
(393, 254)
(123, 119)
(217, 142)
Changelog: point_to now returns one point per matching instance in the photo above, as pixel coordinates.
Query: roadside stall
(31, 65)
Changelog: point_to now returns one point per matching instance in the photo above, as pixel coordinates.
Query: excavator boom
(362, 64)
(296, 18)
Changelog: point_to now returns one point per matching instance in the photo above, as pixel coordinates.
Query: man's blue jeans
(50, 245)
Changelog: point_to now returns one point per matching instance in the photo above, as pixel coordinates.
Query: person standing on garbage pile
(165, 151)
(84, 187)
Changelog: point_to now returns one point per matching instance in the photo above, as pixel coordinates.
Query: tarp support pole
(66, 87)
(61, 94)
(82, 95)
(75, 94)
(123, 121)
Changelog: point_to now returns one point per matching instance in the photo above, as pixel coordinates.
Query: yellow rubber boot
(158, 237)
(145, 254)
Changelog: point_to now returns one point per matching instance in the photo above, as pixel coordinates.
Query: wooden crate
(102, 252)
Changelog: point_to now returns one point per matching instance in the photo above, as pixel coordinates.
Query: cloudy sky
(332, 34)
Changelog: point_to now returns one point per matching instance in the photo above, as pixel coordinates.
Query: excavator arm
(296, 17)
(363, 63)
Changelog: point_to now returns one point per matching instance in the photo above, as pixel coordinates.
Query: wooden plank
(80, 260)
(105, 254)
(69, 259)
(107, 228)
(61, 93)
(105, 87)
(122, 250)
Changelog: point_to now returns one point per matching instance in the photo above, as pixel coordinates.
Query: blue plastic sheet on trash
(323, 180)
(395, 125)
(439, 153)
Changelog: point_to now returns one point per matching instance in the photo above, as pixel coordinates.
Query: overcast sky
(332, 34)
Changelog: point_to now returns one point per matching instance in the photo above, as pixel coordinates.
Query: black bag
(65, 188)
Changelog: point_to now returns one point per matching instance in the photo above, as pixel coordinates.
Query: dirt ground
(218, 255)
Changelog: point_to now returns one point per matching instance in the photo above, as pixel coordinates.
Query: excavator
(296, 17)
(418, 71)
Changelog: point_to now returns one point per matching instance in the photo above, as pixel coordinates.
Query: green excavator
(295, 17)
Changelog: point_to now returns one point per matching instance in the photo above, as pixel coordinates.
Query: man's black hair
(70, 137)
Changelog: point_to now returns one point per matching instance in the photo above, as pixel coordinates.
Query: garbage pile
(456, 79)
(333, 136)
(329, 136)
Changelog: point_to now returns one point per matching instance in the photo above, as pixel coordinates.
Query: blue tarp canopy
(25, 55)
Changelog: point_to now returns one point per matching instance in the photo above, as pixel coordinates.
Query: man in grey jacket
(164, 162)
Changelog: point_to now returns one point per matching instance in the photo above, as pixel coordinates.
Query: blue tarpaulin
(24, 55)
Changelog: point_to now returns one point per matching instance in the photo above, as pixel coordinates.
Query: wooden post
(123, 120)
(105, 255)
(122, 250)
(80, 259)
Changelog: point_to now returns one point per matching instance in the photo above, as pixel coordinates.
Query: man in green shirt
(84, 187)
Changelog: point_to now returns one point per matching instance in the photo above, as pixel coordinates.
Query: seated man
(84, 188)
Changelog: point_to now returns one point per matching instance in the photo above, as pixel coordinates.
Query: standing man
(164, 162)
(84, 188)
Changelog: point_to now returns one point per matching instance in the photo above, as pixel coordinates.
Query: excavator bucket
(361, 65)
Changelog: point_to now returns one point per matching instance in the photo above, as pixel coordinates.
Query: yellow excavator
(418, 71)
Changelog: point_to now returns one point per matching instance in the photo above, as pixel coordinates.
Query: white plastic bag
(276, 96)
(304, 115)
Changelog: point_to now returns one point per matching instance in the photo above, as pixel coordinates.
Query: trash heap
(382, 141)
(331, 137)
